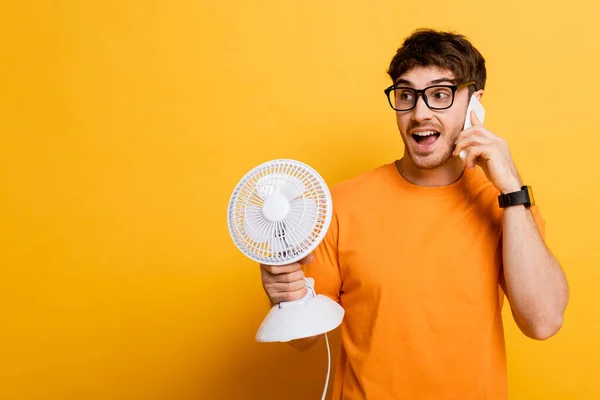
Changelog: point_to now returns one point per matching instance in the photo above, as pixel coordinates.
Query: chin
(429, 161)
(429, 152)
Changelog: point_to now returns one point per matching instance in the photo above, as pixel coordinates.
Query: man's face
(427, 150)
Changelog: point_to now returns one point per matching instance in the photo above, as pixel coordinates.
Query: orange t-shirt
(418, 271)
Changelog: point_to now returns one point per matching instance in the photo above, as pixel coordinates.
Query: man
(421, 251)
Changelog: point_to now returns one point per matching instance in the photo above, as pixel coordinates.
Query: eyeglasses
(438, 97)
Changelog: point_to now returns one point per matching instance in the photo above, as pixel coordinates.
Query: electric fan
(278, 214)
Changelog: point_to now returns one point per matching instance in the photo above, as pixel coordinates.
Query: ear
(478, 94)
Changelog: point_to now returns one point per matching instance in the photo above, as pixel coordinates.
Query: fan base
(310, 316)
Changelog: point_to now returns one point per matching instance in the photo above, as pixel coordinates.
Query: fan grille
(304, 225)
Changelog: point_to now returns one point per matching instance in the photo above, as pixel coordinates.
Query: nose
(421, 112)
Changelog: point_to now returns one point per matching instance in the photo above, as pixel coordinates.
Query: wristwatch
(523, 196)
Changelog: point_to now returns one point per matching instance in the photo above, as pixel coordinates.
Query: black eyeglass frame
(421, 92)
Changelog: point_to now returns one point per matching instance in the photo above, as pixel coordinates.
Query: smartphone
(474, 104)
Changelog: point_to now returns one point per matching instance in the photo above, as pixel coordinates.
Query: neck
(444, 175)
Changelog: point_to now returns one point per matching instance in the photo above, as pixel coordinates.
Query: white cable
(309, 286)
(328, 367)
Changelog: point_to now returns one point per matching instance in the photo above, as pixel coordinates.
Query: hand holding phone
(474, 104)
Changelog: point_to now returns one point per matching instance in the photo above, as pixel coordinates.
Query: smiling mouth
(425, 140)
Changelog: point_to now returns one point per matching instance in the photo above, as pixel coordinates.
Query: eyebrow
(433, 82)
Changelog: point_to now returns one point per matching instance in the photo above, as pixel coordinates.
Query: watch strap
(516, 198)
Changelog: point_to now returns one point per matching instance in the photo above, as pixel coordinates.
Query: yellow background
(125, 125)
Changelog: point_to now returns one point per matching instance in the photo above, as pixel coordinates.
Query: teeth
(425, 133)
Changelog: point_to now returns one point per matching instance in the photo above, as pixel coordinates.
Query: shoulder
(364, 185)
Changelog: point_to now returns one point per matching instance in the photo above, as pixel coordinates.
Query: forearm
(534, 281)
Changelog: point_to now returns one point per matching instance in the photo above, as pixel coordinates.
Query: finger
(280, 269)
(474, 120)
(291, 277)
(285, 282)
(289, 296)
(466, 133)
(473, 153)
(464, 143)
(275, 291)
(278, 281)
(308, 259)
(284, 287)
(474, 130)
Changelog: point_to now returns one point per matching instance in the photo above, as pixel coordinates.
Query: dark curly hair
(452, 51)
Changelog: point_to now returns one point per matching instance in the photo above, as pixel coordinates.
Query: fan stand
(309, 316)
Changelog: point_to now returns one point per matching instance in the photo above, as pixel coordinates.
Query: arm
(534, 282)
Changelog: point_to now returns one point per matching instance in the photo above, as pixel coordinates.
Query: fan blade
(293, 187)
(288, 185)
(255, 224)
(270, 184)
(277, 245)
(301, 220)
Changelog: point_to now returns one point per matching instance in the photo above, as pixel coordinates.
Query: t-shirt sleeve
(325, 269)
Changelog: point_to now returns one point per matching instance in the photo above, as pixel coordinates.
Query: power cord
(312, 289)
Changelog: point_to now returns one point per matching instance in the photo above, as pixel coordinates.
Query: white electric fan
(278, 214)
